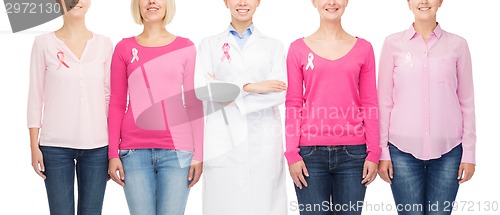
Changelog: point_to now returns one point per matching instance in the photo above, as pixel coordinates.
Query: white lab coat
(243, 161)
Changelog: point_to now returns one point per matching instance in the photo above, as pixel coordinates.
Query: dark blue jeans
(425, 187)
(334, 182)
(91, 172)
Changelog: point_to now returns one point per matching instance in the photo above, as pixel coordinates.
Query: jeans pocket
(186, 152)
(125, 153)
(306, 151)
(185, 157)
(356, 152)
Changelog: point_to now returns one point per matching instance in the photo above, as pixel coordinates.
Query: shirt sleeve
(107, 71)
(118, 99)
(254, 102)
(203, 66)
(36, 86)
(465, 94)
(385, 90)
(369, 106)
(194, 106)
(294, 106)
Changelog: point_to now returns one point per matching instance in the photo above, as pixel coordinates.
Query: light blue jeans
(156, 180)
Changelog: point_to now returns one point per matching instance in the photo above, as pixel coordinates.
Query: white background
(23, 192)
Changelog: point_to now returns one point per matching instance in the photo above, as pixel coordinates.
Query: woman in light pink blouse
(69, 87)
(426, 110)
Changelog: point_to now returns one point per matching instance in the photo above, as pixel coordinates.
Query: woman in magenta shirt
(155, 142)
(427, 123)
(332, 127)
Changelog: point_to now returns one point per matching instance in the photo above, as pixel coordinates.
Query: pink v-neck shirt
(426, 95)
(68, 96)
(158, 85)
(331, 102)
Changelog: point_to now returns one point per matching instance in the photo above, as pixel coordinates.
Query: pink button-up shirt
(426, 96)
(68, 96)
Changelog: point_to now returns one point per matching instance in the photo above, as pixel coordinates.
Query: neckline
(248, 31)
(330, 60)
(134, 38)
(73, 55)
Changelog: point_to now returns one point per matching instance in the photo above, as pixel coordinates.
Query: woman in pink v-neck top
(326, 113)
(331, 123)
(332, 128)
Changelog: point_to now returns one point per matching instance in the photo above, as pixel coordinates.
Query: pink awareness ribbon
(135, 55)
(310, 63)
(225, 49)
(60, 57)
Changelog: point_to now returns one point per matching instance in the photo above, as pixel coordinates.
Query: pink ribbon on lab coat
(225, 49)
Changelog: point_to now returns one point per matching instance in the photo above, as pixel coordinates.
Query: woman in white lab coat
(243, 166)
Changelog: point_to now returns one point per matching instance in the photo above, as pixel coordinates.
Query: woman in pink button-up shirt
(67, 113)
(426, 110)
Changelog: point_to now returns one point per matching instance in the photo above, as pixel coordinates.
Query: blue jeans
(91, 173)
(425, 187)
(156, 180)
(334, 182)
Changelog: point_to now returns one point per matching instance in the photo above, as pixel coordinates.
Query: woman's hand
(195, 172)
(465, 172)
(36, 153)
(385, 170)
(115, 165)
(369, 172)
(298, 170)
(37, 162)
(265, 87)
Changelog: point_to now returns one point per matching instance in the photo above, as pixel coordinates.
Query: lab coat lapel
(229, 38)
(254, 38)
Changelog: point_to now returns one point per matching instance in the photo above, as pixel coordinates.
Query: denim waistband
(336, 148)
